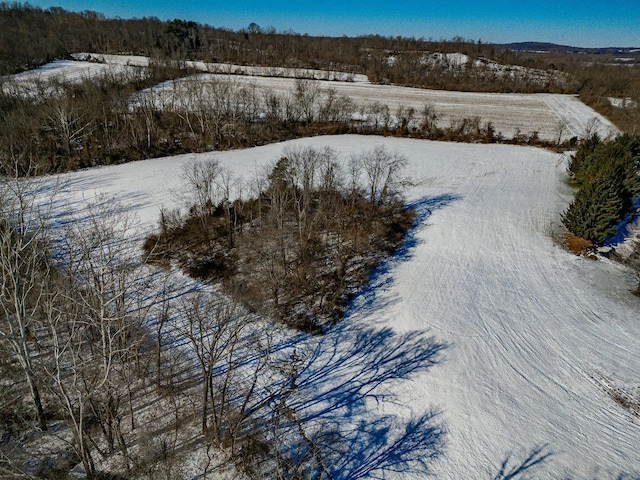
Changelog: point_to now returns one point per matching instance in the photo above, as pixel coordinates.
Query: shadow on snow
(353, 369)
(368, 300)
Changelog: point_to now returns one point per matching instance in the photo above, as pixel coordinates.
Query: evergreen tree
(595, 212)
(609, 182)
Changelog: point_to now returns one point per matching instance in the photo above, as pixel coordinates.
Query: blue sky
(585, 23)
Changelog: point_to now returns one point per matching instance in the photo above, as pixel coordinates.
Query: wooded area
(303, 246)
(97, 122)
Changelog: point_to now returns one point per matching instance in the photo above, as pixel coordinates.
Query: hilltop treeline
(31, 36)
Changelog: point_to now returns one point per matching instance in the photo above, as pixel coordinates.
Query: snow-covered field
(532, 332)
(552, 116)
(86, 66)
(38, 81)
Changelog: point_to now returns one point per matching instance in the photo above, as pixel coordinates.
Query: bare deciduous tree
(381, 169)
(24, 273)
(202, 186)
(94, 323)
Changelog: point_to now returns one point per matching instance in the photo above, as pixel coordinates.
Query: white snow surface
(40, 80)
(550, 115)
(86, 66)
(622, 102)
(532, 331)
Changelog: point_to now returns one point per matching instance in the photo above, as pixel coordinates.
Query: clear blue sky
(585, 23)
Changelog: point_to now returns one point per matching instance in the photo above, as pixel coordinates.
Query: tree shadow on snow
(345, 390)
(367, 300)
(352, 370)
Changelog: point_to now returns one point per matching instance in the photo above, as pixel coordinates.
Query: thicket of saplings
(110, 120)
(302, 246)
(31, 37)
(607, 175)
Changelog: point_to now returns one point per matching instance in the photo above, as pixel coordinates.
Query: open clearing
(532, 332)
(552, 116)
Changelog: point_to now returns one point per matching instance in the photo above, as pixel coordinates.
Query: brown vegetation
(110, 120)
(32, 36)
(301, 248)
(578, 245)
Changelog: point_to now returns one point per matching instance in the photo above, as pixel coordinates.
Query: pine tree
(595, 212)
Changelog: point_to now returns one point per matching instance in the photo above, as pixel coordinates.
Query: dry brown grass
(578, 245)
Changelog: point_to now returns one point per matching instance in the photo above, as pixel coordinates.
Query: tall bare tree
(24, 273)
(94, 324)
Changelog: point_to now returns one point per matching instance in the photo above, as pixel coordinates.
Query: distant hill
(552, 47)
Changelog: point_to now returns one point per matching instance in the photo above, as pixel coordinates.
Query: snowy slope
(550, 115)
(530, 329)
(39, 81)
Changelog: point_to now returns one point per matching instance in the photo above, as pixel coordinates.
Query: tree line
(116, 118)
(32, 36)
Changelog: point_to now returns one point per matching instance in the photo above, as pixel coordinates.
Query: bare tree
(202, 191)
(381, 170)
(94, 326)
(306, 95)
(24, 273)
(217, 331)
(430, 116)
(69, 125)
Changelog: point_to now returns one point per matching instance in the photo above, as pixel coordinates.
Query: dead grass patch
(578, 245)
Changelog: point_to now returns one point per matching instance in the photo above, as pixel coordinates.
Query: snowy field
(37, 82)
(532, 333)
(85, 66)
(552, 116)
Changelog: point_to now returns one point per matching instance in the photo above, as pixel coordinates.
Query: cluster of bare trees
(71, 323)
(111, 120)
(85, 328)
(303, 244)
(62, 126)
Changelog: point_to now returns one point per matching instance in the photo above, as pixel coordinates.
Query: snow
(622, 102)
(533, 334)
(550, 115)
(32, 82)
(447, 59)
(86, 66)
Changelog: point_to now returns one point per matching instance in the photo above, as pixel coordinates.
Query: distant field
(508, 112)
(550, 115)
